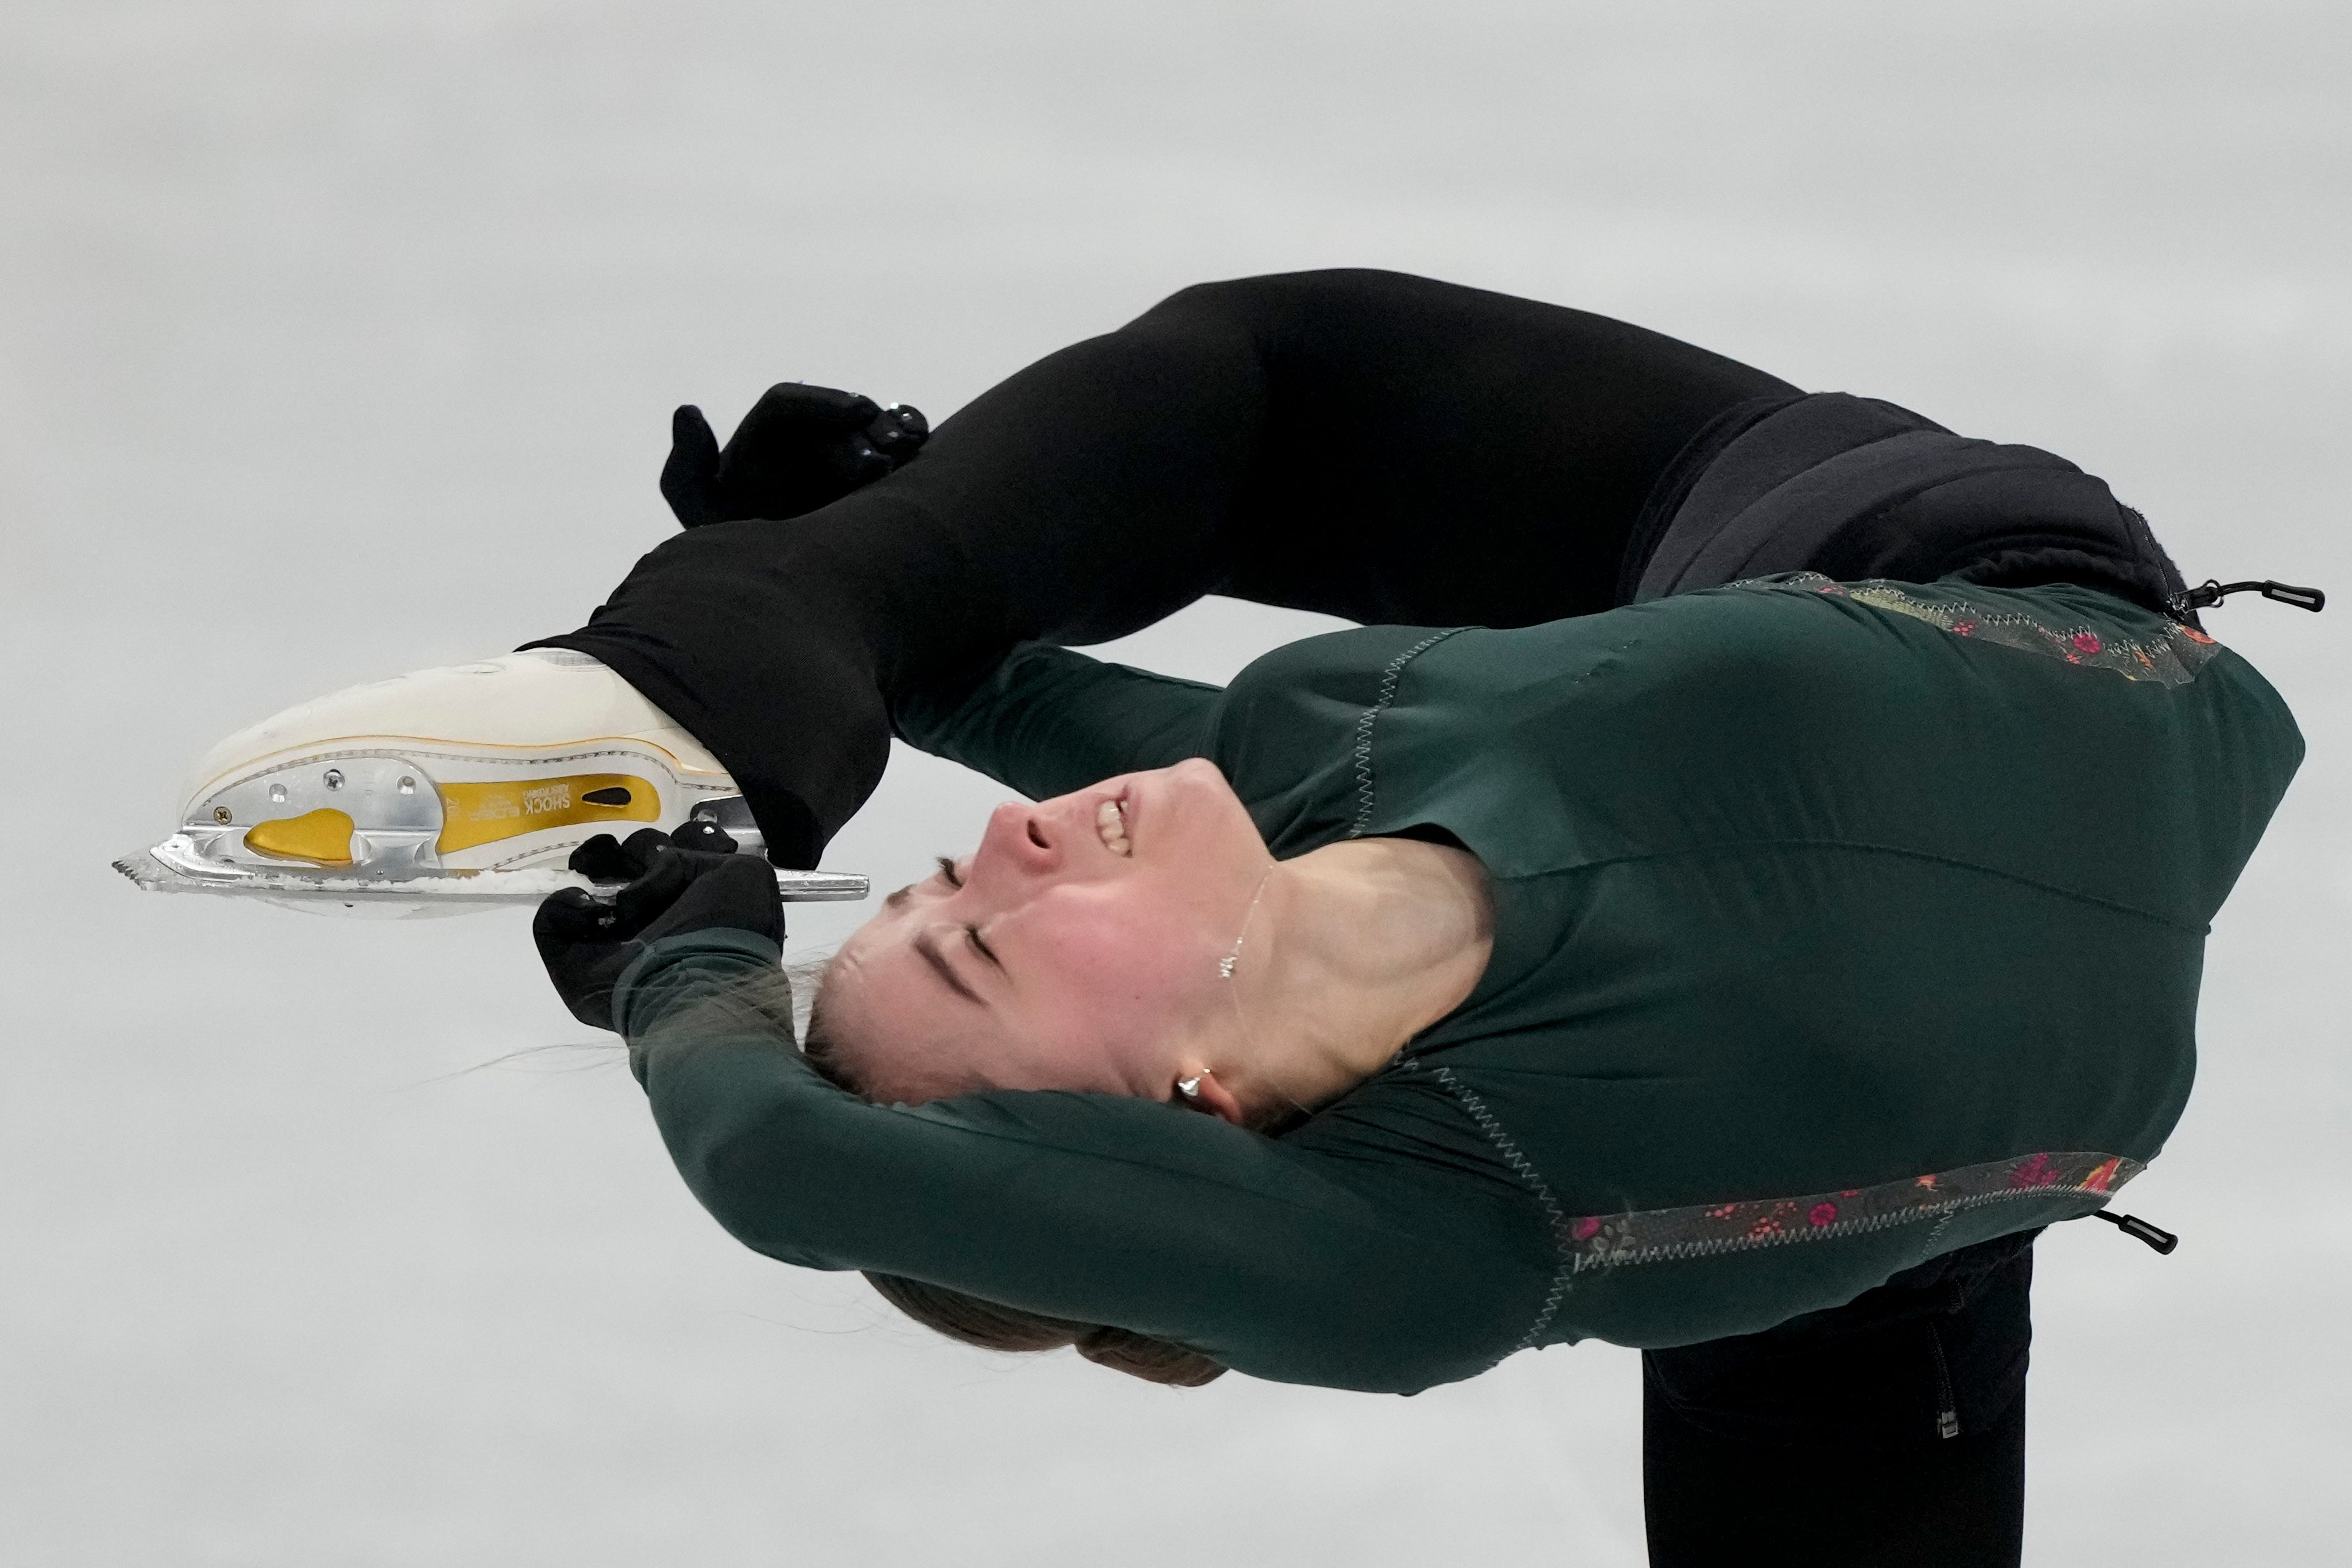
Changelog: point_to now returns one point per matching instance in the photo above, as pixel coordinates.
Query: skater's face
(1076, 948)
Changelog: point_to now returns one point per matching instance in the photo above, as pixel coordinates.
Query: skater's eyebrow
(897, 900)
(939, 961)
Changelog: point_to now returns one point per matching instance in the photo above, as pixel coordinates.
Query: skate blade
(175, 865)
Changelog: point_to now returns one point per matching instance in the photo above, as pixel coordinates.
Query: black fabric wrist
(588, 943)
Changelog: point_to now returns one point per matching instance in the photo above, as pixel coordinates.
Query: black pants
(1395, 450)
(1888, 1431)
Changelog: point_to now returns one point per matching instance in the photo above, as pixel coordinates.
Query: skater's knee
(1276, 299)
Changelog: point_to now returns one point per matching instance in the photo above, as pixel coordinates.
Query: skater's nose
(1019, 842)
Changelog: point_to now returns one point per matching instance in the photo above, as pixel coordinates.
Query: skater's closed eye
(927, 944)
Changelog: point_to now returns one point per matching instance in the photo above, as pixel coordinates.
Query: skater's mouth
(1110, 826)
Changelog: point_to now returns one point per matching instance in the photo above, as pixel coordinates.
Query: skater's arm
(1271, 1256)
(1048, 721)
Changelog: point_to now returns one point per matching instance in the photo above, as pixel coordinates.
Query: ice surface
(340, 341)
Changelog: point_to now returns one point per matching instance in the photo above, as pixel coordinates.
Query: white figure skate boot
(447, 788)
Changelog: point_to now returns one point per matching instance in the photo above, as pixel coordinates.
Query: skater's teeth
(1110, 823)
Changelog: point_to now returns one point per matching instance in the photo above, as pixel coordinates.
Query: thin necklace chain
(1225, 965)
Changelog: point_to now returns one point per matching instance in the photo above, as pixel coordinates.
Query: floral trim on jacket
(2172, 658)
(1702, 1230)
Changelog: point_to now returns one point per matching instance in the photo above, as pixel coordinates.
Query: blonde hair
(774, 998)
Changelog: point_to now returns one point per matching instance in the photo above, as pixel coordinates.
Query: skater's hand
(586, 943)
(800, 448)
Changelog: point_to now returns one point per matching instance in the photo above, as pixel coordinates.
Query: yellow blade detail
(474, 813)
(322, 836)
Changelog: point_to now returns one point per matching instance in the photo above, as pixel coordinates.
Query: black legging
(1395, 450)
(1381, 448)
(1889, 1430)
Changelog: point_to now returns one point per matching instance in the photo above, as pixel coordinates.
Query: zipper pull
(2212, 591)
(2164, 1241)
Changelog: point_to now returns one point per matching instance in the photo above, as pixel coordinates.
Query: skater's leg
(1716, 1503)
(1823, 1442)
(1374, 445)
(1378, 447)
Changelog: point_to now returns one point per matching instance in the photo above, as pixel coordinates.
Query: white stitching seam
(1575, 1261)
(1364, 794)
(1555, 1218)
(1927, 1247)
(537, 759)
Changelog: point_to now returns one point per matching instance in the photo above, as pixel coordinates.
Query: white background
(340, 338)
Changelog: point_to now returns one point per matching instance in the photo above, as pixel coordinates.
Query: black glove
(586, 942)
(800, 448)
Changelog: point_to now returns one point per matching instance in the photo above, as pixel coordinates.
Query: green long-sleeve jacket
(1836, 927)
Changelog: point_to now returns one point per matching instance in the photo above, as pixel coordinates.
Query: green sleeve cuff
(676, 972)
(1047, 719)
